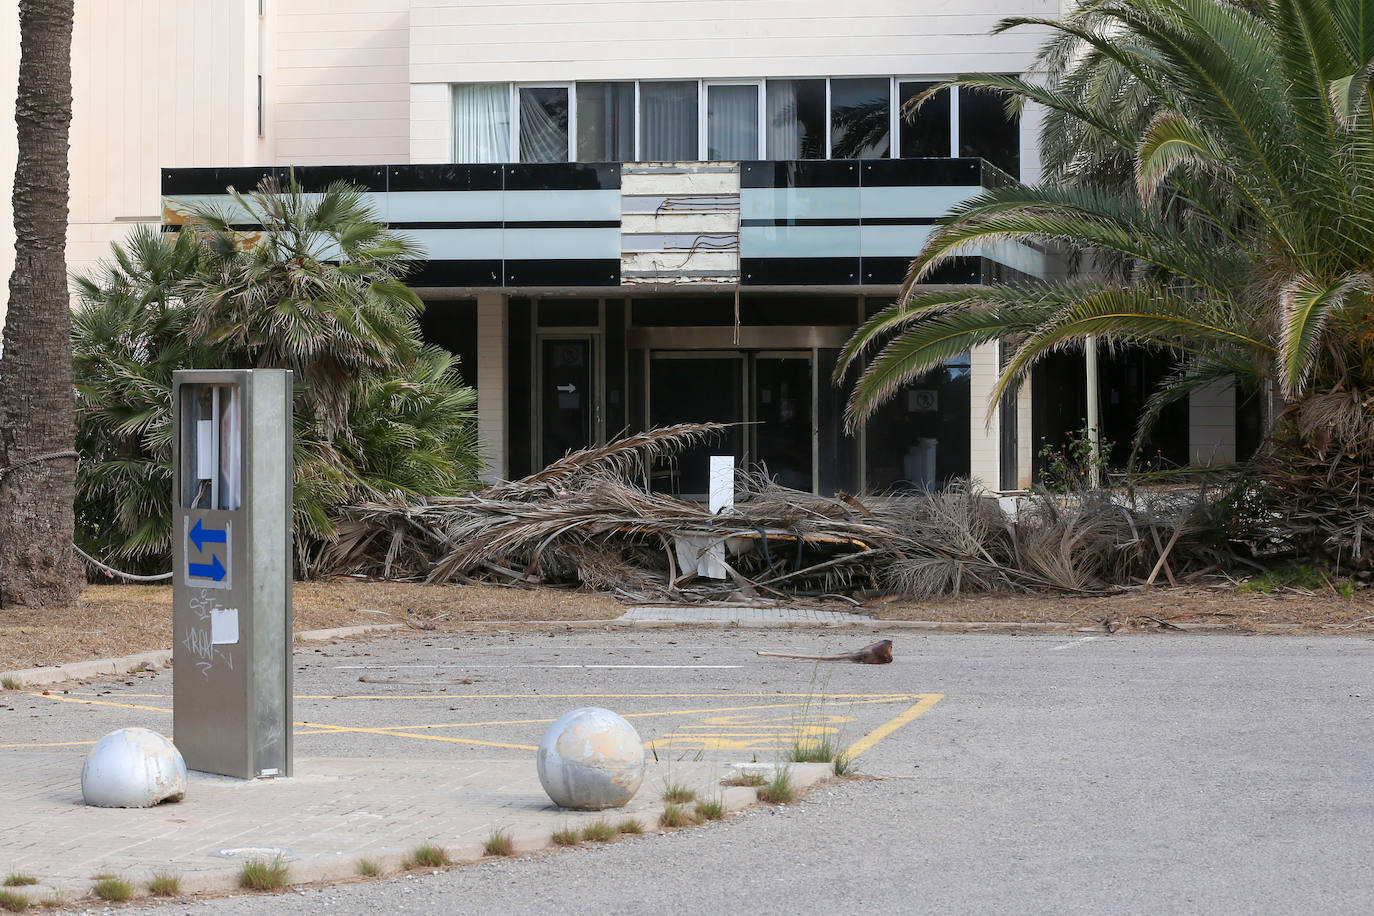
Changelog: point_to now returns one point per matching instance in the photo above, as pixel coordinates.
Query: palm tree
(1241, 239)
(37, 426)
(317, 290)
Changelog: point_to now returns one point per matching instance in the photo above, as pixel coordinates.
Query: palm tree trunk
(37, 407)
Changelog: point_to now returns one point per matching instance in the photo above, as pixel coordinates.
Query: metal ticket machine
(232, 570)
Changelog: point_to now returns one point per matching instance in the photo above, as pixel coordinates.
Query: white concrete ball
(133, 768)
(591, 759)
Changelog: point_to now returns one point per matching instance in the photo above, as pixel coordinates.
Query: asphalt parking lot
(1039, 773)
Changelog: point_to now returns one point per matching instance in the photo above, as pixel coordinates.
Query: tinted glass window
(796, 119)
(925, 132)
(605, 122)
(860, 118)
(985, 130)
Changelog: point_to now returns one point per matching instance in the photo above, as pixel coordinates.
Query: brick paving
(332, 813)
(744, 616)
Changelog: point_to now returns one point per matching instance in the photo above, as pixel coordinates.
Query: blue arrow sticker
(200, 536)
(212, 570)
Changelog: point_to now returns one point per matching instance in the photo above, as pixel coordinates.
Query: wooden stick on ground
(879, 653)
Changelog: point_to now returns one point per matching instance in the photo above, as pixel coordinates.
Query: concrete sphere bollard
(133, 768)
(591, 759)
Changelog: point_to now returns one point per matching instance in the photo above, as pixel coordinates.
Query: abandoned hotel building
(633, 212)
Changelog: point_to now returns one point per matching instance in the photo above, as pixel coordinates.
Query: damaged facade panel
(679, 223)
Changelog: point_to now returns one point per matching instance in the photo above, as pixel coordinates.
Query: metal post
(1094, 428)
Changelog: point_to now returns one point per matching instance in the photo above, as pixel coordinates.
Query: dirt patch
(1325, 612)
(114, 620)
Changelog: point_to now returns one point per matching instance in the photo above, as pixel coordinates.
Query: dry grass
(630, 826)
(116, 620)
(779, 790)
(369, 868)
(164, 884)
(19, 880)
(13, 902)
(426, 856)
(677, 793)
(263, 875)
(112, 888)
(712, 810)
(499, 843)
(566, 836)
(752, 780)
(600, 831)
(677, 816)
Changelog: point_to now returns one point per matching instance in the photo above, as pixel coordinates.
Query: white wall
(338, 81)
(532, 40)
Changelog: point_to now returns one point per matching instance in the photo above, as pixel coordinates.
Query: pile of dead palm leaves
(591, 520)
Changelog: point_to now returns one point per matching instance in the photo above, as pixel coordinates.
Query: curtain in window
(732, 122)
(668, 122)
(796, 119)
(544, 124)
(481, 122)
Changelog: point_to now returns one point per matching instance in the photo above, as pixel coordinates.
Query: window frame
(570, 87)
(704, 101)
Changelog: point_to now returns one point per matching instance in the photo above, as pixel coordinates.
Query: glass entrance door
(696, 388)
(566, 399)
(781, 399)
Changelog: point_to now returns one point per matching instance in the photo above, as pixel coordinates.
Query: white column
(1025, 447)
(492, 402)
(984, 416)
(431, 123)
(1212, 425)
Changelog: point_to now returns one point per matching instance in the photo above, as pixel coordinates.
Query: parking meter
(232, 570)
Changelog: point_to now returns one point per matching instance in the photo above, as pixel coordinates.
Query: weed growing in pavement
(13, 901)
(164, 884)
(499, 844)
(18, 880)
(369, 868)
(843, 764)
(750, 779)
(112, 888)
(11, 683)
(779, 790)
(263, 875)
(426, 856)
(566, 836)
(812, 750)
(601, 831)
(677, 793)
(675, 815)
(712, 810)
(630, 825)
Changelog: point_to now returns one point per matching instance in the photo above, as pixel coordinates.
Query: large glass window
(925, 132)
(920, 439)
(796, 119)
(986, 130)
(543, 124)
(860, 118)
(605, 122)
(481, 122)
(668, 122)
(732, 122)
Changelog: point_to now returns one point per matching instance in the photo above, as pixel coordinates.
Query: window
(925, 133)
(860, 118)
(668, 122)
(543, 124)
(986, 131)
(605, 122)
(481, 119)
(732, 122)
(796, 119)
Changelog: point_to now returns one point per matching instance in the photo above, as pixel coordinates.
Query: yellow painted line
(395, 734)
(882, 731)
(603, 696)
(98, 702)
(647, 715)
(50, 744)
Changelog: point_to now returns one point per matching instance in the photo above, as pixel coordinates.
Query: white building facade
(635, 212)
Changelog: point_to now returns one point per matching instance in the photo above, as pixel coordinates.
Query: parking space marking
(882, 731)
(737, 727)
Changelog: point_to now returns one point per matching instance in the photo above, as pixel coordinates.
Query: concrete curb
(159, 658)
(338, 868)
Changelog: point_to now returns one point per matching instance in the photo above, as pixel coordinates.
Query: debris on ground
(593, 520)
(878, 653)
